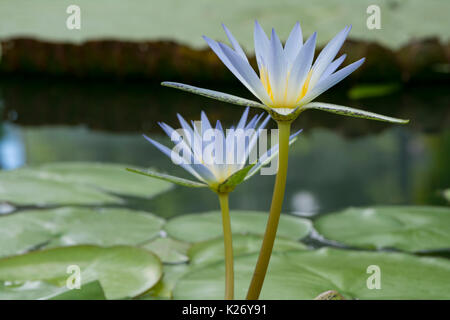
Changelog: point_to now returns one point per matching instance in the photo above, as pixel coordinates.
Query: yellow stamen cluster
(264, 76)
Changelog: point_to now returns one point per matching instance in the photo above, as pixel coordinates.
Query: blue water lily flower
(219, 159)
(289, 80)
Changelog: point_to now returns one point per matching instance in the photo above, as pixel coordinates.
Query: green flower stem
(259, 274)
(228, 243)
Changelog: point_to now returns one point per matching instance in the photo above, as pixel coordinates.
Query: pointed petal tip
(148, 138)
(295, 134)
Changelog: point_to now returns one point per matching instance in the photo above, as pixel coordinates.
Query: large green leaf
(405, 228)
(213, 250)
(75, 183)
(108, 177)
(21, 186)
(89, 291)
(169, 250)
(122, 271)
(28, 230)
(204, 226)
(306, 274)
(164, 288)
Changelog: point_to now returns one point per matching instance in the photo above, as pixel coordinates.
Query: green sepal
(166, 177)
(351, 112)
(225, 97)
(233, 180)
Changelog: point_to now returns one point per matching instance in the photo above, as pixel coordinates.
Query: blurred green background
(88, 88)
(88, 95)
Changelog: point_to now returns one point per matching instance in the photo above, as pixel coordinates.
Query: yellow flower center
(264, 76)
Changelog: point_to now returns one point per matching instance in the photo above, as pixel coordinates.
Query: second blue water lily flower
(217, 158)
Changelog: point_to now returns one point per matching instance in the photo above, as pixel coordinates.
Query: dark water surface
(337, 162)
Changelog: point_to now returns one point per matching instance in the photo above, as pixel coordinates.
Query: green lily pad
(113, 178)
(19, 187)
(164, 288)
(211, 251)
(169, 250)
(208, 225)
(27, 230)
(405, 228)
(75, 183)
(308, 273)
(89, 291)
(122, 271)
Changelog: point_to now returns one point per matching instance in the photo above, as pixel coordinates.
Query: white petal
(277, 68)
(327, 55)
(300, 69)
(262, 44)
(246, 72)
(333, 66)
(243, 119)
(183, 164)
(206, 125)
(218, 50)
(182, 140)
(235, 43)
(330, 81)
(294, 43)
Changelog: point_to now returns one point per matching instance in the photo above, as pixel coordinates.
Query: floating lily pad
(122, 271)
(404, 228)
(206, 226)
(75, 183)
(21, 186)
(109, 177)
(306, 274)
(32, 229)
(169, 250)
(213, 250)
(89, 291)
(164, 288)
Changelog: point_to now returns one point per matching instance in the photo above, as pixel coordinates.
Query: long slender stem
(275, 211)
(228, 244)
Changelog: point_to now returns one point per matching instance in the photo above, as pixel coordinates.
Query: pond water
(337, 162)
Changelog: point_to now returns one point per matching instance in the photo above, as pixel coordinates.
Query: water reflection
(304, 203)
(327, 172)
(12, 149)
